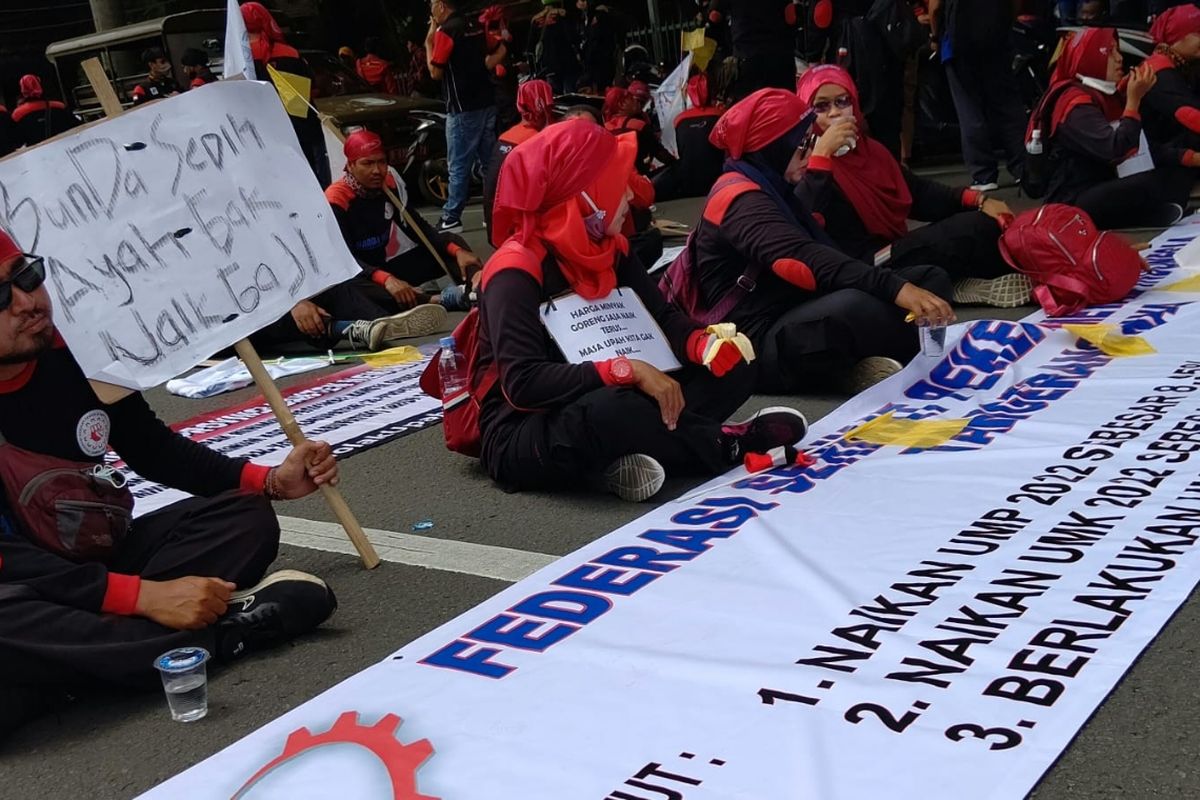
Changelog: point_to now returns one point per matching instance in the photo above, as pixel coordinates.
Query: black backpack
(900, 29)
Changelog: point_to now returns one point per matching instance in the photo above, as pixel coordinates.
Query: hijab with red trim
(541, 204)
(31, 87)
(535, 103)
(1084, 58)
(868, 176)
(259, 20)
(1174, 24)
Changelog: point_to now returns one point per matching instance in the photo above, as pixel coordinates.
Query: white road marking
(487, 561)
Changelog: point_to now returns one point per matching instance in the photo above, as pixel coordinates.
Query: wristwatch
(621, 371)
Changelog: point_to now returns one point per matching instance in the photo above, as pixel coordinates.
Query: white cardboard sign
(174, 230)
(617, 325)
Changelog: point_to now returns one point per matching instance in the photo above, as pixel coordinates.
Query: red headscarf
(362, 144)
(31, 87)
(1175, 24)
(535, 102)
(1085, 55)
(613, 98)
(697, 90)
(640, 90)
(868, 175)
(259, 20)
(756, 121)
(540, 204)
(8, 248)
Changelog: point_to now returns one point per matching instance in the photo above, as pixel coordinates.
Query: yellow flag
(702, 49)
(1109, 342)
(391, 357)
(1191, 284)
(907, 432)
(294, 91)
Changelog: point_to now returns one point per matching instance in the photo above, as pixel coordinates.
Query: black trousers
(964, 245)
(991, 114)
(46, 646)
(355, 299)
(1137, 201)
(812, 342)
(775, 70)
(562, 448)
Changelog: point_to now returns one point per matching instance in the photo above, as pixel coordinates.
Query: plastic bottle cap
(446, 341)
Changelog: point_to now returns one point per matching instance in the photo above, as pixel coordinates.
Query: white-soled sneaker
(1007, 291)
(423, 320)
(870, 371)
(634, 478)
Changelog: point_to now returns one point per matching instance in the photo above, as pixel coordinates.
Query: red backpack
(460, 413)
(1072, 264)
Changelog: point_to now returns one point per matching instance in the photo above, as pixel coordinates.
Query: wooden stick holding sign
(110, 393)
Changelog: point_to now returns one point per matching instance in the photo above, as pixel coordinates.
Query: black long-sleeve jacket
(1086, 149)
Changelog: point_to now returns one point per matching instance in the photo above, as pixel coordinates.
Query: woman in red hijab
(552, 422)
(624, 113)
(535, 104)
(760, 260)
(268, 48)
(866, 199)
(1089, 126)
(37, 118)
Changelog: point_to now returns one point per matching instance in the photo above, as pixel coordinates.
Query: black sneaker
(278, 608)
(447, 225)
(770, 428)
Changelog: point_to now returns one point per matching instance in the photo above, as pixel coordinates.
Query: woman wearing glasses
(865, 199)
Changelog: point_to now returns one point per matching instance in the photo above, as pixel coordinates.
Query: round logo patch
(92, 432)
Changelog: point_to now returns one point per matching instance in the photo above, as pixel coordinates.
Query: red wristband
(1132, 114)
(605, 370)
(121, 596)
(380, 276)
(970, 198)
(254, 478)
(695, 346)
(453, 249)
(820, 163)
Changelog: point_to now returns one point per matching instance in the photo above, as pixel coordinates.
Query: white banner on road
(353, 410)
(174, 230)
(933, 609)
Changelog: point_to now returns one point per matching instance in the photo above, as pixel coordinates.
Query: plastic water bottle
(452, 369)
(843, 57)
(1034, 146)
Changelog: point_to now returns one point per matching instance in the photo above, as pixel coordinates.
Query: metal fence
(662, 41)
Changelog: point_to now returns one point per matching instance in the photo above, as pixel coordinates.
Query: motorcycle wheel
(433, 179)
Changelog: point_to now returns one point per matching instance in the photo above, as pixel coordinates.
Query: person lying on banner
(90, 597)
(699, 163)
(864, 199)
(550, 423)
(624, 113)
(535, 104)
(815, 314)
(281, 64)
(1091, 127)
(395, 296)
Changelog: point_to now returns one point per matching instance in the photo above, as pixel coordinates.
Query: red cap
(362, 144)
(8, 248)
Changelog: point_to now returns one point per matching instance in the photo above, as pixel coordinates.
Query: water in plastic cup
(185, 680)
(933, 340)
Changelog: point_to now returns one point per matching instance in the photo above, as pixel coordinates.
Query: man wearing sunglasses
(190, 574)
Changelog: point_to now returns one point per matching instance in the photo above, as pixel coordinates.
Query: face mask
(1104, 87)
(595, 223)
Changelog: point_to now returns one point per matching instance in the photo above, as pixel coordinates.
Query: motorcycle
(425, 166)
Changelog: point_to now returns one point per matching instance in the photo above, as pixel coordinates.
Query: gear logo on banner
(400, 760)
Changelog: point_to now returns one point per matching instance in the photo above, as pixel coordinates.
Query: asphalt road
(1143, 743)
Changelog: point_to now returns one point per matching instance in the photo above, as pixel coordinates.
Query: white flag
(670, 100)
(239, 63)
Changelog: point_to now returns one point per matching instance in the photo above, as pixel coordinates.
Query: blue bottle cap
(181, 659)
(446, 341)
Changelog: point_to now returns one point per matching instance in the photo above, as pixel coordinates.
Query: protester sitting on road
(36, 118)
(96, 601)
(1171, 110)
(388, 300)
(548, 424)
(278, 62)
(196, 69)
(158, 82)
(535, 103)
(815, 314)
(865, 199)
(1092, 129)
(376, 70)
(623, 114)
(699, 163)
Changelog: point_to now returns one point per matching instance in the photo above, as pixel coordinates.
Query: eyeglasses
(842, 102)
(27, 277)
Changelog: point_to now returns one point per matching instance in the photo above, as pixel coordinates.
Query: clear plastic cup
(933, 340)
(185, 680)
